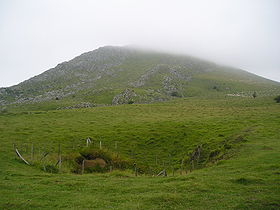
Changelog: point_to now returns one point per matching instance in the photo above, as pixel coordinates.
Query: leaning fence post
(19, 155)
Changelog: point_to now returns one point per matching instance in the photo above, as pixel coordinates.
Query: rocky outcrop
(78, 106)
(126, 97)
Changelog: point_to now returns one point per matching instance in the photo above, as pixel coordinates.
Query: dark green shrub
(143, 169)
(51, 169)
(277, 99)
(239, 139)
(254, 95)
(79, 159)
(92, 153)
(215, 88)
(227, 146)
(175, 94)
(130, 102)
(214, 153)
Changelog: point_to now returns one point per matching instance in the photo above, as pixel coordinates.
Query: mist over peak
(35, 36)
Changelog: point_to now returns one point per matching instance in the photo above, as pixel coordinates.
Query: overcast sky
(36, 35)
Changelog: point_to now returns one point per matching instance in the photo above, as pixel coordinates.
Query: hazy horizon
(37, 35)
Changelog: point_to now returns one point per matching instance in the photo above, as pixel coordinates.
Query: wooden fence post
(181, 170)
(88, 141)
(83, 166)
(191, 165)
(135, 169)
(59, 156)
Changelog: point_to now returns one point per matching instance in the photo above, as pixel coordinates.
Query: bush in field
(51, 169)
(175, 94)
(254, 95)
(277, 99)
(130, 102)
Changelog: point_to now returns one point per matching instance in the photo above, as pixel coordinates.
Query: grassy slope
(250, 179)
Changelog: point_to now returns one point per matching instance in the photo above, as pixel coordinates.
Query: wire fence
(55, 155)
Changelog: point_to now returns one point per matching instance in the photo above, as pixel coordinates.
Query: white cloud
(35, 35)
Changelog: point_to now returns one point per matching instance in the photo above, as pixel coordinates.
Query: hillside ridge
(106, 76)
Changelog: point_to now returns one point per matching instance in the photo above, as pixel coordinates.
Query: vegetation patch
(99, 160)
(277, 99)
(248, 181)
(50, 169)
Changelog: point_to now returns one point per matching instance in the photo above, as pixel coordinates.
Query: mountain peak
(113, 74)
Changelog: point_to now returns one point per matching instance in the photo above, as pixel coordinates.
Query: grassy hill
(238, 169)
(121, 75)
(169, 108)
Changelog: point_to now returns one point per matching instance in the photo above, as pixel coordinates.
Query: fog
(36, 35)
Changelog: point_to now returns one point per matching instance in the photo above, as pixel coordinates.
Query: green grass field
(243, 133)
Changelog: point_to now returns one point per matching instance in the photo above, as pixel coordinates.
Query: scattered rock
(78, 106)
(125, 97)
